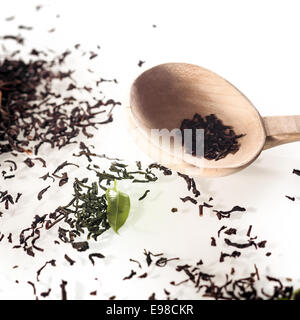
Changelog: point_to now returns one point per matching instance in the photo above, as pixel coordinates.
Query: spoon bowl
(164, 95)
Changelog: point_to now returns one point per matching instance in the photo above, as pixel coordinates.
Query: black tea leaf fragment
(290, 198)
(132, 273)
(262, 244)
(46, 293)
(213, 242)
(249, 231)
(71, 261)
(33, 287)
(63, 290)
(29, 162)
(239, 245)
(53, 264)
(148, 255)
(188, 198)
(96, 255)
(166, 171)
(230, 231)
(46, 176)
(144, 275)
(18, 38)
(187, 179)
(18, 197)
(220, 230)
(152, 297)
(64, 179)
(135, 261)
(199, 263)
(297, 172)
(162, 262)
(207, 205)
(80, 246)
(234, 254)
(9, 237)
(25, 27)
(226, 214)
(173, 283)
(201, 210)
(15, 167)
(93, 55)
(40, 194)
(61, 166)
(9, 176)
(144, 195)
(42, 161)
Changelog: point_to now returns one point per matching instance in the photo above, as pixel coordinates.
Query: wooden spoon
(163, 96)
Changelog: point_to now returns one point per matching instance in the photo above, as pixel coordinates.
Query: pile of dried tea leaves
(219, 139)
(86, 214)
(32, 111)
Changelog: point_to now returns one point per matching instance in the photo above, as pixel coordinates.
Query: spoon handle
(281, 130)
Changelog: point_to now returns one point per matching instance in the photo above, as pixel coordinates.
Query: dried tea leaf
(97, 255)
(40, 194)
(144, 195)
(80, 246)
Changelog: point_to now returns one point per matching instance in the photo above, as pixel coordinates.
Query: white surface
(254, 45)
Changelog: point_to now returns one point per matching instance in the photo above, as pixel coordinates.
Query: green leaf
(118, 207)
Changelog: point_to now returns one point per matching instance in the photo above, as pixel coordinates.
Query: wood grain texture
(281, 130)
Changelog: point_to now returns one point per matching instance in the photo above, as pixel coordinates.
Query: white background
(254, 45)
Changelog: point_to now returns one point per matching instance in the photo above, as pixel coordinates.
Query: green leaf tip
(118, 207)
